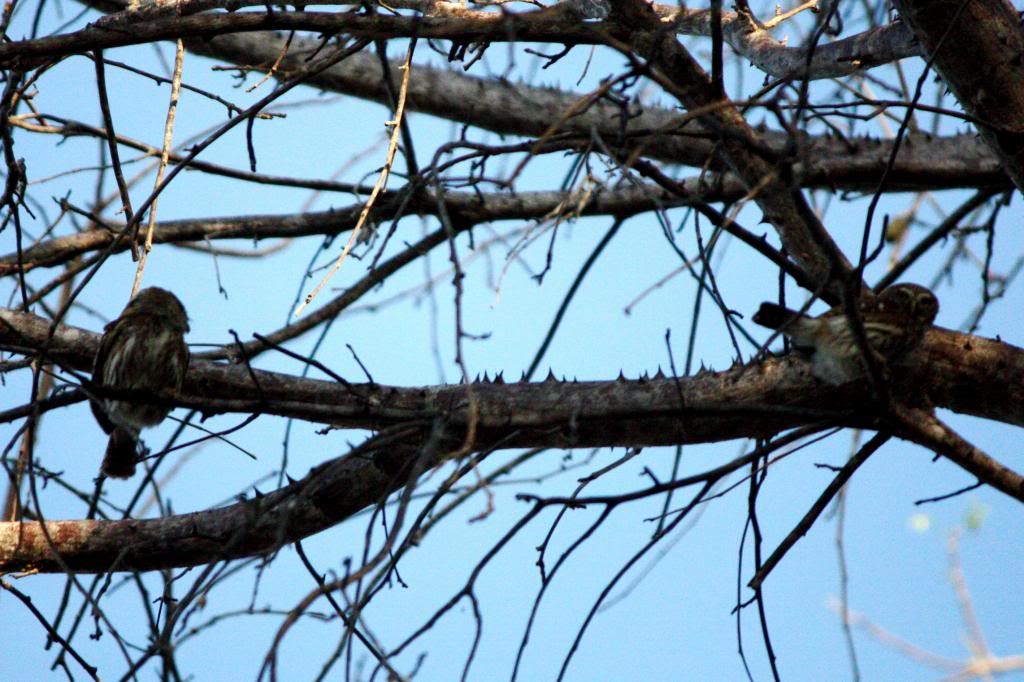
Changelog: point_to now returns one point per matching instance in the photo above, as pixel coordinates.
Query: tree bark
(977, 46)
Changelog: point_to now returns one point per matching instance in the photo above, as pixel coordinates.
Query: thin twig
(382, 180)
(165, 153)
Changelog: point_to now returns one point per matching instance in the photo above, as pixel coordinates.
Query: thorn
(487, 379)
(621, 379)
(550, 378)
(522, 379)
(660, 374)
(499, 378)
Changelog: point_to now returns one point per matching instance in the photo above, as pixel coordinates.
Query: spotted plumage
(894, 323)
(144, 350)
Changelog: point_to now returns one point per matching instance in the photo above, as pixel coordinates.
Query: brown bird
(893, 324)
(143, 349)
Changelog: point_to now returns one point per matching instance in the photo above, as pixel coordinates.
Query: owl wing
(183, 357)
(98, 367)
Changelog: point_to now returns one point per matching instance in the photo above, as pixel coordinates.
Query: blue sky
(671, 616)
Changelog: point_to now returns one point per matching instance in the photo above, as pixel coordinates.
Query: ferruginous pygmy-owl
(893, 324)
(143, 349)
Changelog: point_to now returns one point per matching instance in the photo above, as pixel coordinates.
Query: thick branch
(556, 24)
(767, 178)
(749, 38)
(521, 109)
(330, 493)
(855, 163)
(745, 401)
(749, 401)
(978, 48)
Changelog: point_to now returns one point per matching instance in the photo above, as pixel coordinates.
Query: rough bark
(755, 400)
(977, 46)
(765, 397)
(749, 401)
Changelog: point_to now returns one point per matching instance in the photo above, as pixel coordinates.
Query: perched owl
(894, 324)
(143, 349)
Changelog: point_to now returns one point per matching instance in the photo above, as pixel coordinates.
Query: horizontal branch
(66, 128)
(924, 162)
(951, 369)
(465, 208)
(554, 24)
(557, 23)
(744, 401)
(852, 164)
(551, 413)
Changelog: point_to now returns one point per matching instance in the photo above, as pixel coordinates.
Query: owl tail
(119, 462)
(798, 327)
(775, 316)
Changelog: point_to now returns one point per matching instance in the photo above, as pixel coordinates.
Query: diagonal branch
(812, 514)
(330, 493)
(926, 429)
(767, 178)
(987, 78)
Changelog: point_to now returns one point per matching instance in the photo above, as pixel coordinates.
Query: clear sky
(670, 617)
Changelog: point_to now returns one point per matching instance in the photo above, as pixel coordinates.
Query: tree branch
(745, 401)
(766, 178)
(748, 37)
(469, 208)
(755, 400)
(987, 79)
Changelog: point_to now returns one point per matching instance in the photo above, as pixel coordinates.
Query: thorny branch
(787, 152)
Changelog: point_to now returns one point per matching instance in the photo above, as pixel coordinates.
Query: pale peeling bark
(747, 36)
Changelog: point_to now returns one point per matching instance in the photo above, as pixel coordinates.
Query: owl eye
(927, 307)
